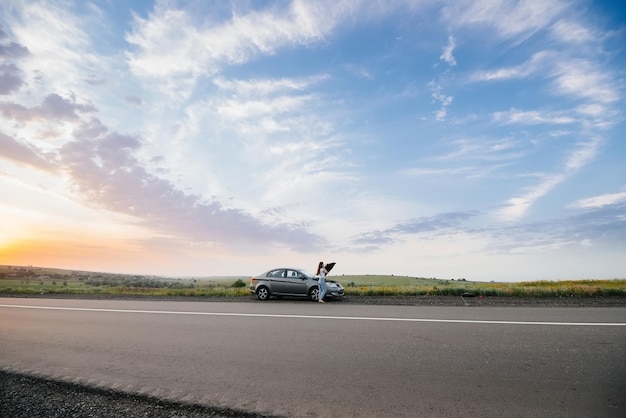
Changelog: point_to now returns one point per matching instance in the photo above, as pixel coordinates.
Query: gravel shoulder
(24, 396)
(33, 397)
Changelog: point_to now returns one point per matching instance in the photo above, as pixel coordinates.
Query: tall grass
(539, 289)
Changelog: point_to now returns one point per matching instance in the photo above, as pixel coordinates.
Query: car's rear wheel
(262, 293)
(314, 293)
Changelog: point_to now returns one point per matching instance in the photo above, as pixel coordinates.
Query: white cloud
(59, 43)
(593, 109)
(246, 109)
(481, 149)
(600, 201)
(515, 116)
(582, 79)
(170, 43)
(570, 31)
(266, 86)
(517, 207)
(585, 153)
(468, 172)
(508, 18)
(447, 55)
(539, 61)
(442, 99)
(456, 171)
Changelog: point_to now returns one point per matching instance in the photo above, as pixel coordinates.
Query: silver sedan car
(292, 282)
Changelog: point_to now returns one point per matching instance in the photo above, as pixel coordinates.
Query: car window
(292, 274)
(276, 273)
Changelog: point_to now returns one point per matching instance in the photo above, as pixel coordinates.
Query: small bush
(239, 283)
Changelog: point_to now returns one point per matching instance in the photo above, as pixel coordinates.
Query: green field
(20, 280)
(40, 280)
(402, 285)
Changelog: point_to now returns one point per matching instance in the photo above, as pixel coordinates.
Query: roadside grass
(44, 287)
(392, 286)
(34, 280)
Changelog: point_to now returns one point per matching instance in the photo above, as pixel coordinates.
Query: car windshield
(308, 273)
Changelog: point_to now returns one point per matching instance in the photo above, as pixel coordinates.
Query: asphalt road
(296, 358)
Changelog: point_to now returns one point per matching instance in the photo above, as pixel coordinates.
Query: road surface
(296, 358)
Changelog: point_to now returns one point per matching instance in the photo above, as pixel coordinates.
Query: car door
(295, 283)
(277, 280)
(274, 279)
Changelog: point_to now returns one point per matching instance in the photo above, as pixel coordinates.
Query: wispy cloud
(532, 117)
(579, 157)
(17, 152)
(583, 154)
(569, 75)
(266, 86)
(598, 226)
(471, 158)
(440, 98)
(517, 207)
(480, 149)
(440, 224)
(537, 63)
(447, 54)
(508, 18)
(59, 43)
(571, 31)
(582, 79)
(600, 201)
(238, 109)
(170, 43)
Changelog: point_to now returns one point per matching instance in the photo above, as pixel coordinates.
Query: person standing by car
(321, 272)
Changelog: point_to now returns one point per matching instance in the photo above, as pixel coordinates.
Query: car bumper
(334, 293)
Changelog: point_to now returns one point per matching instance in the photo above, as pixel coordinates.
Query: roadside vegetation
(407, 286)
(16, 280)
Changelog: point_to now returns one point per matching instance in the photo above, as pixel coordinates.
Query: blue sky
(451, 139)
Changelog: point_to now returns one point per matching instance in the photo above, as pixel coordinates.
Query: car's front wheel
(314, 293)
(262, 293)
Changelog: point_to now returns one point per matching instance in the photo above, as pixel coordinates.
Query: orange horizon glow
(66, 254)
(122, 256)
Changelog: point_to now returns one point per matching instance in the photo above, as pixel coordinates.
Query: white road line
(351, 318)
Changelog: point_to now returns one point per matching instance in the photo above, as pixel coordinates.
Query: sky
(476, 139)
